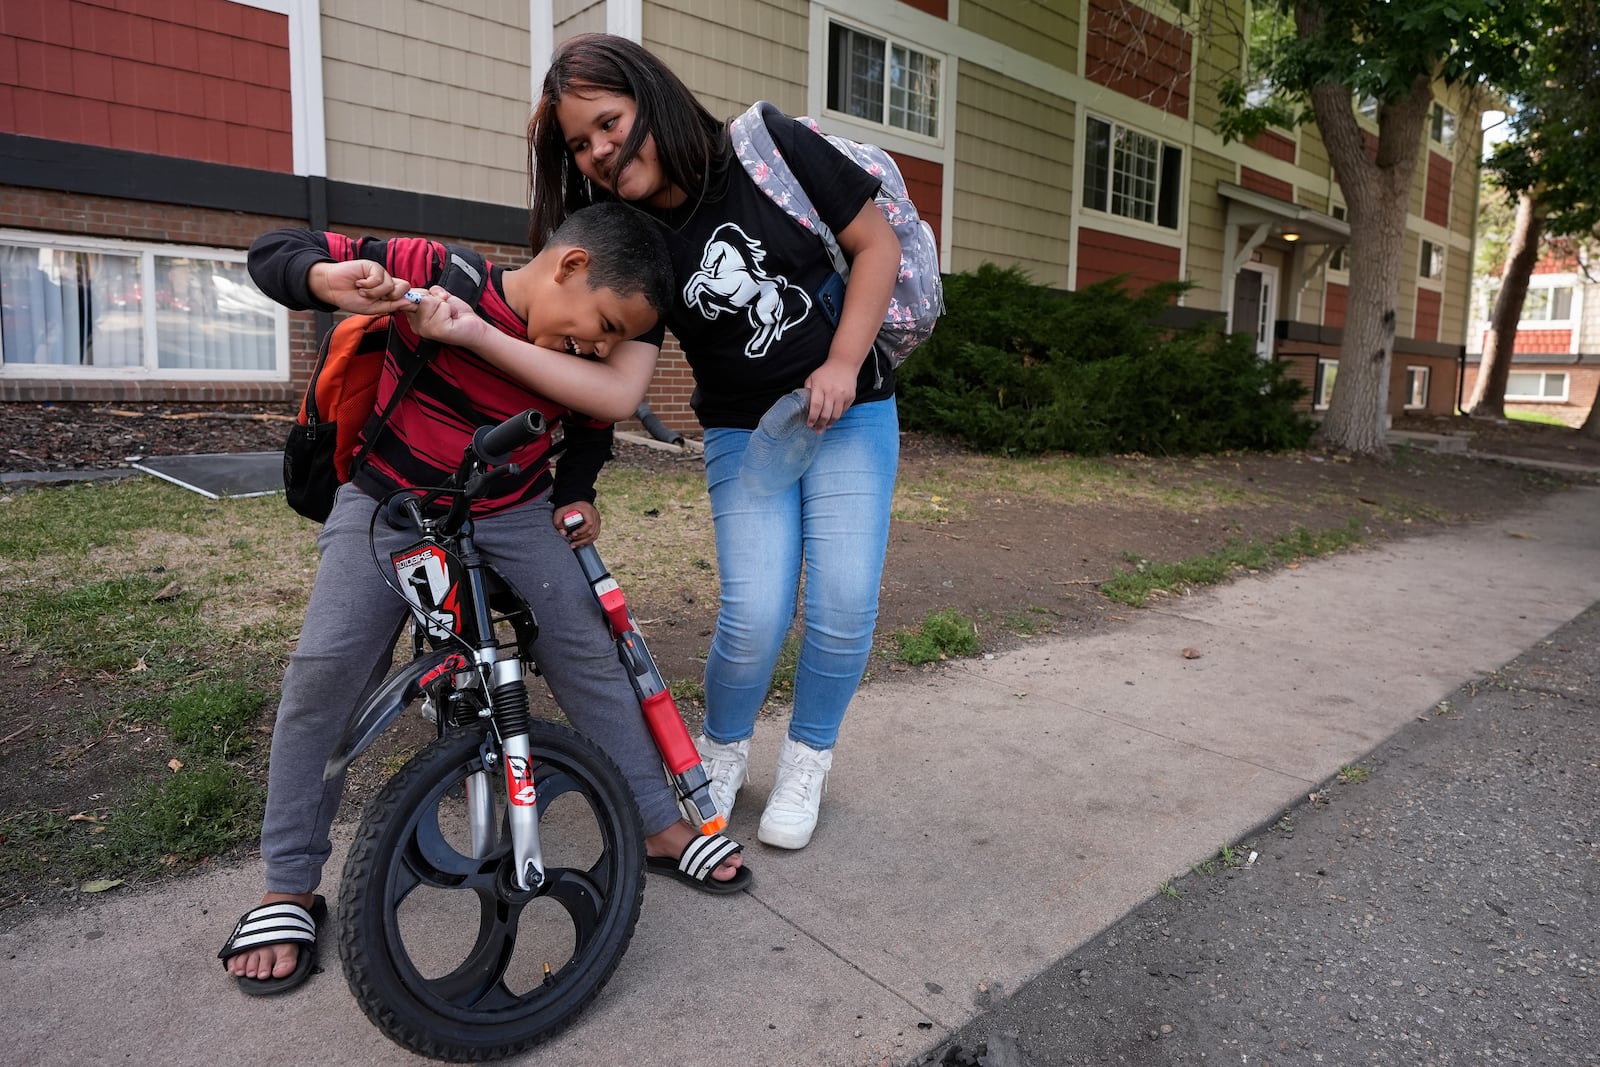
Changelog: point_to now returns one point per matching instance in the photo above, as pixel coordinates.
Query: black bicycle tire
(377, 976)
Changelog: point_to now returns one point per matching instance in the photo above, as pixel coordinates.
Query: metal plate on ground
(220, 474)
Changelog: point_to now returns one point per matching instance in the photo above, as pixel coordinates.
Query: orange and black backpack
(321, 453)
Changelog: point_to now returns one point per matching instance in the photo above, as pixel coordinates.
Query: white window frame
(1423, 260)
(1339, 262)
(890, 42)
(1542, 397)
(1546, 323)
(1163, 147)
(1323, 383)
(1416, 375)
(149, 368)
(1441, 126)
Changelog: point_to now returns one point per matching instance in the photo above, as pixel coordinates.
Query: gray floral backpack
(918, 298)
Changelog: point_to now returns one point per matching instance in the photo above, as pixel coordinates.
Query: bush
(1016, 367)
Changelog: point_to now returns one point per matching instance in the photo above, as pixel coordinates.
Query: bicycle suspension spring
(510, 708)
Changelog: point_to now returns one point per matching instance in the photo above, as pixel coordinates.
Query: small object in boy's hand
(416, 295)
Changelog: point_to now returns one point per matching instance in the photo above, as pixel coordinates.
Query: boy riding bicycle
(592, 288)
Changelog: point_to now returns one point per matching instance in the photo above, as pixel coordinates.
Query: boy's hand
(438, 316)
(578, 536)
(357, 285)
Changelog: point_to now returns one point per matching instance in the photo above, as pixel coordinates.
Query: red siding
(1275, 145)
(925, 184)
(1133, 52)
(1106, 255)
(1436, 199)
(1334, 303)
(204, 79)
(1262, 183)
(1427, 328)
(1544, 341)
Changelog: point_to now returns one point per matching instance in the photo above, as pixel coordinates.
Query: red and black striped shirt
(453, 395)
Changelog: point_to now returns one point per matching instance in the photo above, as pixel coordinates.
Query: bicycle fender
(385, 705)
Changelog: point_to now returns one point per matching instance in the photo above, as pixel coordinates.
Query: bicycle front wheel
(445, 955)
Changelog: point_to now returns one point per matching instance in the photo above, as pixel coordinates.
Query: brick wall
(1583, 381)
(134, 220)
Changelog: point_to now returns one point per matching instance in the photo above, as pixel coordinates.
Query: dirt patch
(1017, 546)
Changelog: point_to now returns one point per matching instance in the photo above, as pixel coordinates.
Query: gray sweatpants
(347, 641)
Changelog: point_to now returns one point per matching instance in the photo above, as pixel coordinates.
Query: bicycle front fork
(509, 699)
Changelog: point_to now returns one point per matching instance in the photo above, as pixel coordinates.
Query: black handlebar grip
(494, 444)
(404, 511)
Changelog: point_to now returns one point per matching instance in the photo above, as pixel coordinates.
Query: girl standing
(613, 122)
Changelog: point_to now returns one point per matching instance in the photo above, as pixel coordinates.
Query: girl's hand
(358, 285)
(438, 316)
(833, 390)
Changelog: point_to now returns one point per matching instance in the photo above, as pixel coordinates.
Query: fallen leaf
(171, 591)
(83, 816)
(139, 666)
(1292, 566)
(176, 764)
(99, 885)
(1191, 653)
(1521, 536)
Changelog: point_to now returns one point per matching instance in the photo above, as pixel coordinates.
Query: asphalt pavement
(986, 883)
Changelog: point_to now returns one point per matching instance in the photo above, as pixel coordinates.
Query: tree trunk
(1591, 425)
(1377, 192)
(1500, 343)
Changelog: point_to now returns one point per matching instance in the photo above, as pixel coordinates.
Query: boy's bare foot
(670, 843)
(270, 961)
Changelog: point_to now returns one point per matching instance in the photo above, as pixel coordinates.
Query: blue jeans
(835, 520)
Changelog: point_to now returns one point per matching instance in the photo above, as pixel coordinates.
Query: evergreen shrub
(1015, 367)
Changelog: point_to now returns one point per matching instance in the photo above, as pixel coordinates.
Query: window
(1416, 387)
(1546, 386)
(1432, 260)
(1547, 304)
(1367, 106)
(1442, 126)
(1327, 371)
(1131, 174)
(1340, 260)
(1267, 29)
(79, 308)
(883, 81)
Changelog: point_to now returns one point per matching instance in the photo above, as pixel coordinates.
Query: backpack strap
(761, 159)
(465, 274)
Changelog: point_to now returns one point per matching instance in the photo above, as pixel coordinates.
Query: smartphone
(830, 298)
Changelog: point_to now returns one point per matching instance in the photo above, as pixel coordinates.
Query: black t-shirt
(747, 275)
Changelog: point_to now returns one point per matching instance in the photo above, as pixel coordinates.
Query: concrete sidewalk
(980, 824)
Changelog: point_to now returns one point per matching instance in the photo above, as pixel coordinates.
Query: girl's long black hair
(692, 145)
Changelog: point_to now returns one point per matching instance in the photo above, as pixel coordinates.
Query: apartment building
(143, 143)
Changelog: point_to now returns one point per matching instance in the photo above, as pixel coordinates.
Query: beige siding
(1313, 154)
(1206, 254)
(1457, 298)
(573, 17)
(426, 97)
(734, 52)
(1013, 177)
(1217, 50)
(1046, 29)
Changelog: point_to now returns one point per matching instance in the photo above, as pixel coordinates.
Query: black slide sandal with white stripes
(699, 860)
(283, 923)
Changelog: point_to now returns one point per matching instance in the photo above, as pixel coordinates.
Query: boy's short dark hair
(627, 251)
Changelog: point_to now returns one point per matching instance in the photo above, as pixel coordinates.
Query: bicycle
(546, 867)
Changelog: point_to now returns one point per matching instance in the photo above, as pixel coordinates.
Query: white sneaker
(791, 813)
(725, 765)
